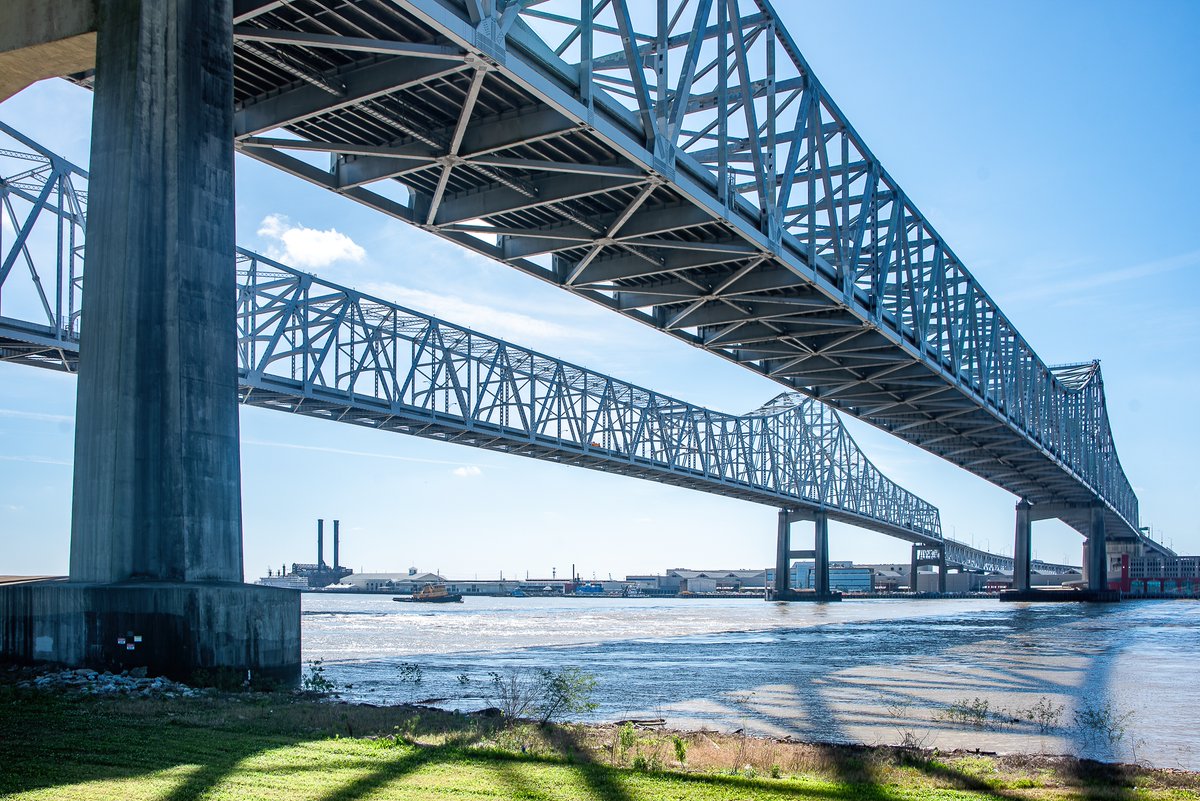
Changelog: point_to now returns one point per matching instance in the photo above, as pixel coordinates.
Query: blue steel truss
(679, 162)
(310, 347)
(967, 557)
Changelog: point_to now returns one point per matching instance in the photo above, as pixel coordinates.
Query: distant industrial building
(1158, 575)
(389, 582)
(304, 575)
(843, 576)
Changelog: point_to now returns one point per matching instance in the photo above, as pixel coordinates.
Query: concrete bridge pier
(783, 591)
(924, 554)
(1095, 555)
(1023, 547)
(156, 539)
(1095, 552)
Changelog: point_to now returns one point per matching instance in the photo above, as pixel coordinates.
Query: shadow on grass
(51, 741)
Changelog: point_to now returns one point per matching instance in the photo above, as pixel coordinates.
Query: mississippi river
(953, 673)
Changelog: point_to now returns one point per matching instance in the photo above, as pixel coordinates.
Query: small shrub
(626, 739)
(1044, 714)
(680, 749)
(548, 694)
(567, 691)
(410, 673)
(315, 681)
(776, 773)
(1102, 721)
(973, 712)
(640, 763)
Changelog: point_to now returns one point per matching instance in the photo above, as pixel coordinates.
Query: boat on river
(432, 594)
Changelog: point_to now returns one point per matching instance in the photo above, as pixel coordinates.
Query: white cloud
(308, 247)
(514, 327)
(35, 460)
(467, 471)
(344, 452)
(36, 416)
(1069, 289)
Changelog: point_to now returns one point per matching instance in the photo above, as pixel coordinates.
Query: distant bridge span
(607, 147)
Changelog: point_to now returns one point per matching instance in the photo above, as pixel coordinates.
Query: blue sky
(1055, 146)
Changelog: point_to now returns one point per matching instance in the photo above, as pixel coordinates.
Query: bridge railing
(719, 88)
(304, 337)
(298, 331)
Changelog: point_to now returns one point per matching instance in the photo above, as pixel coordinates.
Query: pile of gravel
(130, 683)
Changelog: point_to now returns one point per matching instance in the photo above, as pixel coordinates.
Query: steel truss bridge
(678, 162)
(311, 347)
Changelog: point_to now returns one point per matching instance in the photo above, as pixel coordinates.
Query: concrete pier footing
(171, 629)
(1061, 595)
(806, 595)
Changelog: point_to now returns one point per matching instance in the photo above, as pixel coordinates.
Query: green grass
(275, 747)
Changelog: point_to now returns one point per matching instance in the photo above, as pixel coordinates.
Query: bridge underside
(514, 154)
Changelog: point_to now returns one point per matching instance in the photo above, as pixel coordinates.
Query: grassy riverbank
(59, 746)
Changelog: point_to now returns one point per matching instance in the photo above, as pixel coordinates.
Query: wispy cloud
(16, 414)
(347, 452)
(1084, 281)
(308, 247)
(520, 329)
(467, 471)
(35, 460)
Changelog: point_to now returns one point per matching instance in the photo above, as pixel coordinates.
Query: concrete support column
(157, 484)
(782, 553)
(821, 553)
(1095, 559)
(1022, 553)
(912, 581)
(156, 540)
(941, 567)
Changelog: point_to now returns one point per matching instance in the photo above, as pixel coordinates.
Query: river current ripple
(856, 671)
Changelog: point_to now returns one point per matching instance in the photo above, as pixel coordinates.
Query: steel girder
(680, 163)
(310, 347)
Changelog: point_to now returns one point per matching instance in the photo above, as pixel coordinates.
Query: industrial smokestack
(320, 541)
(335, 544)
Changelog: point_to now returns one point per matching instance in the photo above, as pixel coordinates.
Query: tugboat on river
(432, 594)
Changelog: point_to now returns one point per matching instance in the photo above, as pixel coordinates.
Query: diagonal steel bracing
(617, 148)
(310, 347)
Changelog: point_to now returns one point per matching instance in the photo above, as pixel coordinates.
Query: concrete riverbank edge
(170, 629)
(254, 745)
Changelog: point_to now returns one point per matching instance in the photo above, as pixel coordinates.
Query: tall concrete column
(157, 484)
(912, 579)
(821, 553)
(1022, 553)
(941, 567)
(1096, 551)
(156, 541)
(783, 549)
